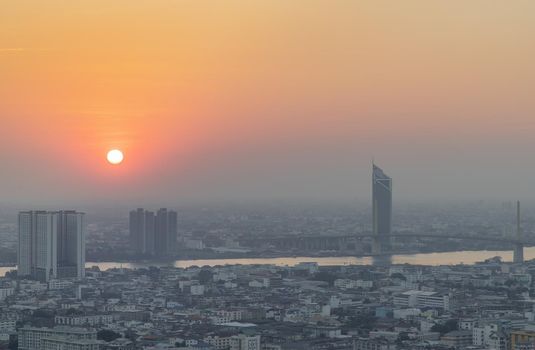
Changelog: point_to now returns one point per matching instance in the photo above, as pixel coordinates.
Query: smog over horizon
(273, 100)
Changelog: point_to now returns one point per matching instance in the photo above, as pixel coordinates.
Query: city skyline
(213, 161)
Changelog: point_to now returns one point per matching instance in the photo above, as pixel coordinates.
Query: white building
(352, 284)
(59, 284)
(84, 320)
(51, 245)
(7, 323)
(60, 343)
(259, 283)
(218, 342)
(489, 334)
(30, 337)
(466, 324)
(406, 313)
(226, 316)
(244, 342)
(224, 276)
(419, 299)
(194, 244)
(197, 289)
(234, 342)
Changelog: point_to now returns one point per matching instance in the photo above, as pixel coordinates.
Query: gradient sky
(266, 99)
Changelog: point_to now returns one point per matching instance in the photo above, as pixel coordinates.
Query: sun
(115, 156)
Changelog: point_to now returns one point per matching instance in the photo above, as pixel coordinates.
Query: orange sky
(264, 98)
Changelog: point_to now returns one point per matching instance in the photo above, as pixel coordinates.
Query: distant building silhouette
(51, 245)
(382, 207)
(142, 231)
(152, 234)
(165, 229)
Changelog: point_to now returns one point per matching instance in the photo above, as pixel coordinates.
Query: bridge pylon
(518, 252)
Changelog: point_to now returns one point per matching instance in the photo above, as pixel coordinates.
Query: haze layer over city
(267, 175)
(265, 100)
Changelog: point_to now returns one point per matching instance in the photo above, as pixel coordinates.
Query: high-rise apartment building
(142, 231)
(382, 205)
(165, 229)
(153, 234)
(51, 245)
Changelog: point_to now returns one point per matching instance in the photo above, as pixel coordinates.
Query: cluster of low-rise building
(485, 306)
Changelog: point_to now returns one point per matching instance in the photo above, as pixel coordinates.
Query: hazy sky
(239, 99)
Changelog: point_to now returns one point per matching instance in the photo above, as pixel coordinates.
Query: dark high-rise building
(172, 219)
(165, 230)
(142, 231)
(382, 206)
(71, 244)
(136, 225)
(153, 234)
(51, 245)
(149, 232)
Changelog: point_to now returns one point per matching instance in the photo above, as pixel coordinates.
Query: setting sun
(115, 156)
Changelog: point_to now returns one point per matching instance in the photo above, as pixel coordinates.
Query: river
(432, 259)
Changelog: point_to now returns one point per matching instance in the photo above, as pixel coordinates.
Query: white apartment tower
(51, 245)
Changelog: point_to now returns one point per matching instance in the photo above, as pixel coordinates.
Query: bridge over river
(325, 242)
(381, 242)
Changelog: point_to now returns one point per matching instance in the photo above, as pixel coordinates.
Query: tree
(72, 311)
(43, 313)
(107, 335)
(364, 321)
(325, 277)
(401, 338)
(450, 325)
(11, 274)
(510, 282)
(131, 335)
(398, 276)
(205, 276)
(13, 343)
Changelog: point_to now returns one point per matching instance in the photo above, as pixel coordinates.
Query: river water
(432, 259)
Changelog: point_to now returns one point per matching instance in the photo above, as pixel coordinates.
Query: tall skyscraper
(382, 206)
(153, 234)
(51, 245)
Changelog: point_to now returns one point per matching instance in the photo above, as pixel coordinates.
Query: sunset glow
(266, 97)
